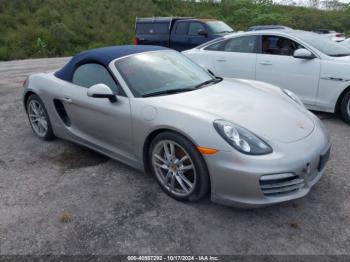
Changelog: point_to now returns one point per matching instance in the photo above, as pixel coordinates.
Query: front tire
(39, 118)
(345, 107)
(178, 167)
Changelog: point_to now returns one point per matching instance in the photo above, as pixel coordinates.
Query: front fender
(194, 125)
(334, 79)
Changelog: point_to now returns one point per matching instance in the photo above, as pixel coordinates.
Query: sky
(301, 1)
(306, 2)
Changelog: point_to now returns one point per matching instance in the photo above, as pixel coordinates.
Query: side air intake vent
(62, 112)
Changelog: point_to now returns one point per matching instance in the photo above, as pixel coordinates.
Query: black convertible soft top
(102, 56)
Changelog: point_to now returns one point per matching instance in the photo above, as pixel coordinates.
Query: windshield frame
(126, 84)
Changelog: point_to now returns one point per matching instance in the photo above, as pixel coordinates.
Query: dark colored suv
(179, 33)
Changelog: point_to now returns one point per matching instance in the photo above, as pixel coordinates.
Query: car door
(197, 34)
(235, 57)
(179, 36)
(276, 65)
(97, 120)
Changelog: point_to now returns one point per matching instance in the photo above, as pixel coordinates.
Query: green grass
(50, 28)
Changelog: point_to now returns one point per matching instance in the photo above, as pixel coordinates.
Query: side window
(244, 44)
(217, 46)
(152, 28)
(278, 45)
(91, 74)
(195, 27)
(181, 28)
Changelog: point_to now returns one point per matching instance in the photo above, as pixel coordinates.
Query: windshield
(218, 27)
(161, 72)
(323, 44)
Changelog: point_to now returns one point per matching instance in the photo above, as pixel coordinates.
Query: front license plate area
(324, 159)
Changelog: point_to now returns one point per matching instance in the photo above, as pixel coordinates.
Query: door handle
(221, 59)
(265, 63)
(67, 99)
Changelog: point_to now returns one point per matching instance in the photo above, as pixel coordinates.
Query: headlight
(293, 96)
(241, 139)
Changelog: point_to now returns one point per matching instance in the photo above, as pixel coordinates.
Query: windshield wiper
(214, 81)
(168, 92)
(180, 90)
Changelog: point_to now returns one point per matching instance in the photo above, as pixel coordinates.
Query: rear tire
(39, 118)
(178, 167)
(345, 108)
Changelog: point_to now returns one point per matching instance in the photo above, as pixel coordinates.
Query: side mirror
(101, 91)
(203, 33)
(303, 54)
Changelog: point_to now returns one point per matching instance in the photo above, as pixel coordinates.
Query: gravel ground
(60, 198)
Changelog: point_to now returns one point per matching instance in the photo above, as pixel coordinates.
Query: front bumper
(252, 181)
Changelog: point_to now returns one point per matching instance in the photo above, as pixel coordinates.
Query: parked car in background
(331, 34)
(145, 106)
(179, 33)
(345, 43)
(267, 27)
(314, 67)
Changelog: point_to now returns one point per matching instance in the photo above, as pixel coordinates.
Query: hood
(344, 59)
(258, 107)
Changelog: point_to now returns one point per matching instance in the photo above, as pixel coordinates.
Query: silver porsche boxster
(248, 143)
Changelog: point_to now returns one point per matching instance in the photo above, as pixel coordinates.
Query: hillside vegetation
(48, 28)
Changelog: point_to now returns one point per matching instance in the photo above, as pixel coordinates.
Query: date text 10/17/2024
(173, 258)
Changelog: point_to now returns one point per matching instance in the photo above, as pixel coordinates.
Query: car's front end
(267, 152)
(287, 173)
(276, 166)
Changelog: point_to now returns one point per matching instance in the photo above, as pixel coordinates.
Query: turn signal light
(207, 151)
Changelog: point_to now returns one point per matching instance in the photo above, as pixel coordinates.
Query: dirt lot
(60, 198)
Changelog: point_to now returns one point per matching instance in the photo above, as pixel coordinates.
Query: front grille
(281, 184)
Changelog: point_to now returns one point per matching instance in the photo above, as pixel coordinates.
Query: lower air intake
(280, 184)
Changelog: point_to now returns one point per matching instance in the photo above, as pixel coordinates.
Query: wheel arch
(340, 99)
(26, 97)
(149, 140)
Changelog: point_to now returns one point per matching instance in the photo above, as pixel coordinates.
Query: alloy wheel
(174, 168)
(37, 118)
